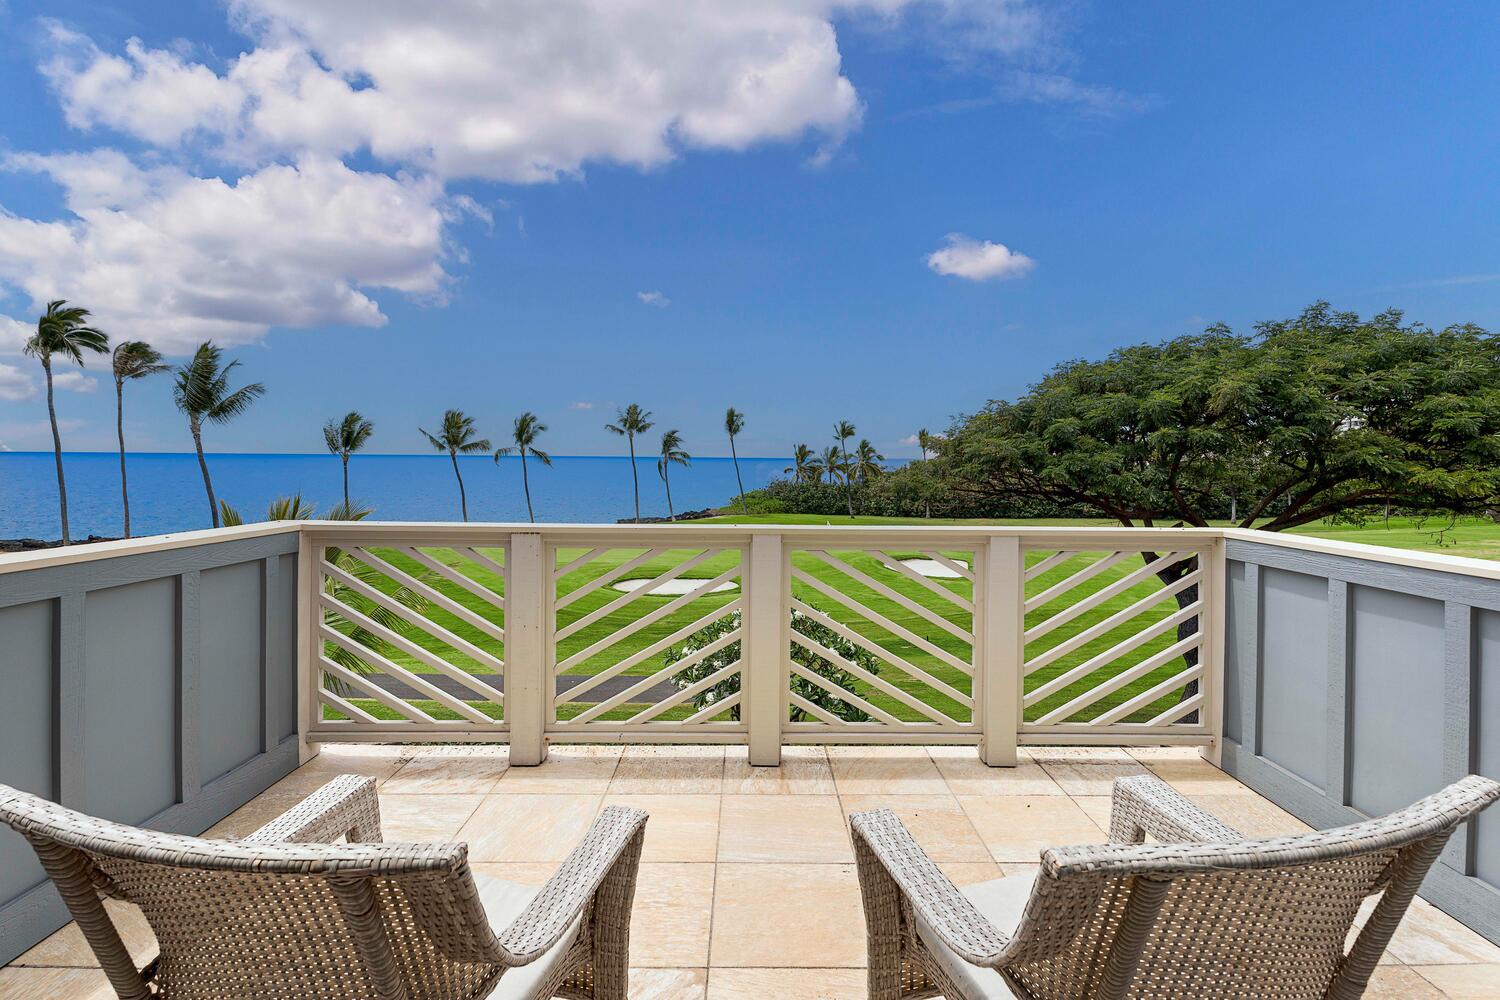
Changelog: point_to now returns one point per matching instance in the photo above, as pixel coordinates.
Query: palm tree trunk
(62, 486)
(208, 483)
(346, 481)
(738, 481)
(635, 477)
(848, 480)
(463, 500)
(666, 478)
(526, 486)
(120, 431)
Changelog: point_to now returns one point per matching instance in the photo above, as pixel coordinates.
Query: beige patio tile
(1020, 869)
(1090, 777)
(1428, 936)
(662, 770)
(1250, 814)
(963, 873)
(522, 872)
(781, 828)
(256, 813)
(66, 947)
(1019, 827)
(966, 774)
(1462, 982)
(434, 775)
(423, 818)
(527, 827)
(681, 827)
(1398, 982)
(1097, 808)
(768, 916)
(335, 760)
(1196, 777)
(671, 915)
(584, 770)
(803, 771)
(885, 771)
(786, 984)
(1080, 755)
(54, 984)
(668, 984)
(1148, 754)
(937, 822)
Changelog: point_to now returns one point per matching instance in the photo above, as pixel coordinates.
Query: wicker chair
(1201, 912)
(287, 913)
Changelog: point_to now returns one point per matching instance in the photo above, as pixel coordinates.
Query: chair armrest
(928, 891)
(1145, 805)
(609, 853)
(345, 807)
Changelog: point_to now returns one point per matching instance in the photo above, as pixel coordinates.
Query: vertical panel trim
(271, 649)
(1338, 692)
(1249, 673)
(1459, 730)
(72, 746)
(189, 665)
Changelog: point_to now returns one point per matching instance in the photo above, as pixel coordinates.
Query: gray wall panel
(27, 727)
(1486, 850)
(229, 678)
(130, 701)
(1294, 665)
(1396, 706)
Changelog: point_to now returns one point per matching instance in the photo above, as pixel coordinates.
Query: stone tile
(783, 828)
(66, 947)
(528, 827)
(523, 872)
(803, 771)
(1020, 827)
(1462, 982)
(584, 770)
(417, 819)
(966, 774)
(1097, 808)
(1398, 982)
(1148, 754)
(668, 984)
(376, 762)
(937, 823)
(1251, 815)
(256, 813)
(1428, 936)
(962, 873)
(435, 775)
(1196, 777)
(1080, 755)
(1020, 869)
(787, 915)
(681, 827)
(675, 770)
(885, 771)
(670, 919)
(54, 984)
(786, 984)
(1091, 777)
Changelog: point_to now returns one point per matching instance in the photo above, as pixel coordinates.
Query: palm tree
(828, 464)
(844, 430)
(734, 422)
(62, 329)
(132, 360)
(456, 437)
(802, 463)
(924, 441)
(202, 392)
(628, 423)
(867, 461)
(345, 437)
(528, 428)
(671, 452)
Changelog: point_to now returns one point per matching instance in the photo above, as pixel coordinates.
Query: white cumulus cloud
(654, 299)
(965, 257)
(15, 384)
(74, 382)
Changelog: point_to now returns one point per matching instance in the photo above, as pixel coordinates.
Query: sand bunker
(934, 569)
(670, 588)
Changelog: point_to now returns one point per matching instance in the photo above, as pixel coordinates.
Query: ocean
(166, 490)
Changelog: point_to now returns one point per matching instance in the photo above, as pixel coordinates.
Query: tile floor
(747, 887)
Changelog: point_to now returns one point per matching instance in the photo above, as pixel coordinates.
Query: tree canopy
(1322, 416)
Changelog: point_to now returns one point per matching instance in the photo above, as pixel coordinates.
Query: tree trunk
(1184, 598)
(526, 486)
(120, 431)
(62, 485)
(848, 481)
(208, 483)
(738, 481)
(463, 500)
(346, 481)
(666, 478)
(635, 479)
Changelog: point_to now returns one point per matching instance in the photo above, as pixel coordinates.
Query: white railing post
(528, 689)
(1003, 646)
(309, 616)
(1212, 591)
(763, 671)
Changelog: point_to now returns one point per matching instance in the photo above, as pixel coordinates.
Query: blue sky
(401, 216)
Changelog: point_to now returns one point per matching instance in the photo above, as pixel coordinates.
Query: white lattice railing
(760, 635)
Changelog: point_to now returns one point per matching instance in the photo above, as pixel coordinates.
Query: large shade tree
(1323, 416)
(62, 331)
(202, 392)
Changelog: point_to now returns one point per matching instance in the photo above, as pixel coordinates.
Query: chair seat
(1001, 901)
(503, 903)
